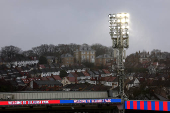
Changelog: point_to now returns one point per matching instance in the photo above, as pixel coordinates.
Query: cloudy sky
(30, 23)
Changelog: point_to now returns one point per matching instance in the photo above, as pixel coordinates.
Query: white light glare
(118, 15)
(123, 20)
(123, 27)
(127, 20)
(123, 15)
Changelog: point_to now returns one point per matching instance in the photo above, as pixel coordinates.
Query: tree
(42, 60)
(28, 53)
(100, 49)
(10, 51)
(63, 73)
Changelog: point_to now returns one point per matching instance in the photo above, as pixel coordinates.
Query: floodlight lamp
(127, 32)
(123, 15)
(111, 27)
(114, 32)
(118, 20)
(118, 15)
(123, 20)
(123, 27)
(111, 15)
(127, 26)
(127, 14)
(110, 21)
(127, 20)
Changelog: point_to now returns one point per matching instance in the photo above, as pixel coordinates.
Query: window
(91, 56)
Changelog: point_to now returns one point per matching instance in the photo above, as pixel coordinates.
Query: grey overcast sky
(30, 23)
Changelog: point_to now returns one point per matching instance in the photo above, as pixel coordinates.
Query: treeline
(51, 50)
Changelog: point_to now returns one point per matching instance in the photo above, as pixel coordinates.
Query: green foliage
(63, 73)
(42, 60)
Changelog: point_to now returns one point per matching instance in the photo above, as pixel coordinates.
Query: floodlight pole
(120, 38)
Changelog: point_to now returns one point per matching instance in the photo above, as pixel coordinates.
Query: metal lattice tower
(120, 38)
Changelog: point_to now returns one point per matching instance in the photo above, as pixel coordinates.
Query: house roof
(74, 74)
(51, 57)
(50, 78)
(90, 72)
(104, 56)
(72, 79)
(47, 82)
(85, 73)
(19, 69)
(31, 79)
(56, 77)
(52, 65)
(85, 47)
(19, 81)
(56, 65)
(42, 66)
(44, 78)
(26, 81)
(95, 72)
(80, 74)
(66, 55)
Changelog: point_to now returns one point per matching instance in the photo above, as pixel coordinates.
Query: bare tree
(28, 53)
(10, 51)
(100, 49)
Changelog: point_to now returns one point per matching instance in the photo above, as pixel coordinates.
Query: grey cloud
(29, 23)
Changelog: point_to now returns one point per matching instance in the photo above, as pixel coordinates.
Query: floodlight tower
(120, 40)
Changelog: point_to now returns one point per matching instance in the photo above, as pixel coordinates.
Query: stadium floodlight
(119, 32)
(119, 22)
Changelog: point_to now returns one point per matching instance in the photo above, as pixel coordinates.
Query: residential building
(67, 59)
(51, 59)
(85, 54)
(103, 60)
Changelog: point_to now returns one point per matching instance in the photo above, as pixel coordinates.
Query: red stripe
(142, 105)
(128, 104)
(157, 105)
(134, 104)
(3, 102)
(165, 106)
(149, 105)
(54, 101)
